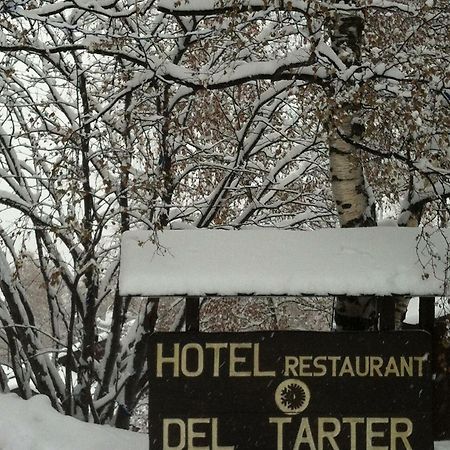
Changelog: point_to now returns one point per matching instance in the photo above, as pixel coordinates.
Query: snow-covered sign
(369, 261)
(290, 391)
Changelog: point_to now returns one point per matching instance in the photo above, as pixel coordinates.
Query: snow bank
(380, 260)
(441, 308)
(35, 425)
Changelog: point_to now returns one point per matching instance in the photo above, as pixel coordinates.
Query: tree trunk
(354, 202)
(351, 193)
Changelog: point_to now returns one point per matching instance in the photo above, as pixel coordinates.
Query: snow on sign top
(364, 261)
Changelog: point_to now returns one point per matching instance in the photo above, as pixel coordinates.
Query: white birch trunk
(348, 184)
(352, 196)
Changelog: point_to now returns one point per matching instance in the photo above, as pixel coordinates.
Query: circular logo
(292, 396)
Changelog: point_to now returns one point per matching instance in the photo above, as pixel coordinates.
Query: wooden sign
(290, 391)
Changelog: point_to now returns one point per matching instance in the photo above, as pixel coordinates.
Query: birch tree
(416, 90)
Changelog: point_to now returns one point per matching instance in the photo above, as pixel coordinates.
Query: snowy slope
(35, 425)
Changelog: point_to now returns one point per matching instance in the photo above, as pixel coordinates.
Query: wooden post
(426, 322)
(386, 308)
(192, 316)
(426, 313)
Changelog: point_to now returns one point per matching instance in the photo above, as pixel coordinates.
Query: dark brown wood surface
(245, 391)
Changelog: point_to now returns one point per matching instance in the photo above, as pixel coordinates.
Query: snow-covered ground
(34, 425)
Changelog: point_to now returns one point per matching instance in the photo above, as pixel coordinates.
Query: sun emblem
(292, 396)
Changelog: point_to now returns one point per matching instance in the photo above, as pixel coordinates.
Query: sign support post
(426, 313)
(386, 306)
(192, 314)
